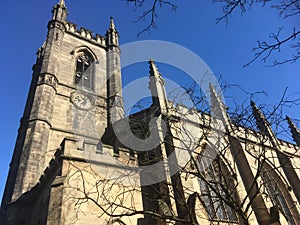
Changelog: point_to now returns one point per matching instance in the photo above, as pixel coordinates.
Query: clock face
(82, 100)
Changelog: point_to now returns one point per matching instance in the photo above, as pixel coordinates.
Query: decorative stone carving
(57, 25)
(48, 79)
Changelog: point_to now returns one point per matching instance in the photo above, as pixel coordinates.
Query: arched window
(216, 190)
(84, 71)
(279, 195)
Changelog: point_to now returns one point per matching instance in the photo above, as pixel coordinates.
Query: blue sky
(225, 49)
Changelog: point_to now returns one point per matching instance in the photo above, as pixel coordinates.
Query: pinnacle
(294, 130)
(62, 2)
(292, 125)
(289, 121)
(259, 117)
(262, 123)
(153, 69)
(112, 24)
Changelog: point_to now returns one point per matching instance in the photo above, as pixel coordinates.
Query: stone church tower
(78, 160)
(76, 73)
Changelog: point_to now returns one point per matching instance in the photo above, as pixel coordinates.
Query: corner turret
(114, 81)
(59, 12)
(112, 34)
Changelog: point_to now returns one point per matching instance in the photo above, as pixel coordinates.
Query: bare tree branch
(265, 49)
(151, 13)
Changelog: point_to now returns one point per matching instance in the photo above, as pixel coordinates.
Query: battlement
(85, 34)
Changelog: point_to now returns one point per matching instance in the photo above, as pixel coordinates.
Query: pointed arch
(279, 194)
(85, 60)
(217, 192)
(84, 48)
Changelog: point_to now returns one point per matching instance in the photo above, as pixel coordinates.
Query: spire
(294, 130)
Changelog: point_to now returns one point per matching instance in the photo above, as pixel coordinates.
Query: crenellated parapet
(86, 34)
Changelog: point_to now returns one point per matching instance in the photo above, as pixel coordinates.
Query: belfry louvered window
(84, 71)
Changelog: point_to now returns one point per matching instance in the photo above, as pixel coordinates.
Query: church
(79, 160)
